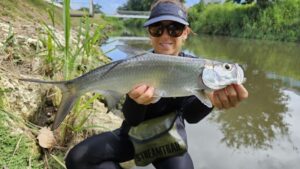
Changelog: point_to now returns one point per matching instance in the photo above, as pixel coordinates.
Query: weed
(73, 61)
(16, 149)
(276, 21)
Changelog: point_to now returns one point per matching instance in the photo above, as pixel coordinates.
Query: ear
(186, 33)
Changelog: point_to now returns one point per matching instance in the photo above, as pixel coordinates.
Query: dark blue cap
(167, 11)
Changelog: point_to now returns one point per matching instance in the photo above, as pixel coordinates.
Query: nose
(165, 33)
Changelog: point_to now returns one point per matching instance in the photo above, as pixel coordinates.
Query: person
(168, 29)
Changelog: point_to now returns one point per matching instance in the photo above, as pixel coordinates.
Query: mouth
(240, 75)
(166, 44)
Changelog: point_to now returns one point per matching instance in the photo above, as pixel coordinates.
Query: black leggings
(107, 150)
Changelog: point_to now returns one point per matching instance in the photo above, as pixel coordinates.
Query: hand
(229, 96)
(142, 94)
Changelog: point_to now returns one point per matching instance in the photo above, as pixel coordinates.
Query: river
(263, 132)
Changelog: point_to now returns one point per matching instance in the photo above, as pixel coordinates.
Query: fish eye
(227, 66)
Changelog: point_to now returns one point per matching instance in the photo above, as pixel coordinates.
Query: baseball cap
(167, 11)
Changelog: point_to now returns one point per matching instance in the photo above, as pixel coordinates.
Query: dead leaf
(46, 138)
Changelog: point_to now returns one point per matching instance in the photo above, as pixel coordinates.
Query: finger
(137, 92)
(223, 98)
(232, 95)
(216, 101)
(147, 97)
(241, 91)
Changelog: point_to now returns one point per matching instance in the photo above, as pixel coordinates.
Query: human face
(166, 44)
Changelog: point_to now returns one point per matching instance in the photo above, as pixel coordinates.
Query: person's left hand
(228, 97)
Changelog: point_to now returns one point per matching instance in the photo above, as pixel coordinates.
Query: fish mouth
(240, 78)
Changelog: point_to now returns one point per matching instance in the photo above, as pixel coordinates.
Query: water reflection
(265, 122)
(278, 57)
(258, 121)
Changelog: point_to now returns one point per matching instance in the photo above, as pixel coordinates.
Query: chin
(167, 52)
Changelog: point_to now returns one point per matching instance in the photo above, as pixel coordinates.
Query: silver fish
(171, 76)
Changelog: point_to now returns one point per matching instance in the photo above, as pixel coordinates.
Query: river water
(263, 132)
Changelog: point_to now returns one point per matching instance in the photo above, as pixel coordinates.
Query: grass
(77, 55)
(17, 149)
(277, 21)
(2, 101)
(74, 54)
(35, 10)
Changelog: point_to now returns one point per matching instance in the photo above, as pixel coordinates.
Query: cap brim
(165, 18)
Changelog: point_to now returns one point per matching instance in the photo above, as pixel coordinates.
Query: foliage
(78, 54)
(137, 5)
(13, 9)
(2, 101)
(97, 8)
(134, 23)
(279, 21)
(16, 149)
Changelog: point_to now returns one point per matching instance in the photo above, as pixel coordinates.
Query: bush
(278, 21)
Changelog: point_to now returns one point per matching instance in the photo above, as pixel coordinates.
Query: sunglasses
(174, 29)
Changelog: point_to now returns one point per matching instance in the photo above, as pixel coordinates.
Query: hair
(179, 3)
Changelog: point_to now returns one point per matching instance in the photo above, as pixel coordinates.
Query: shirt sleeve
(134, 113)
(194, 110)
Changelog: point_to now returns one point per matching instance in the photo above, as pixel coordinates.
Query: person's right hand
(142, 94)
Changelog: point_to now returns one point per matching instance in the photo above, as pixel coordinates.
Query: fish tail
(67, 102)
(69, 96)
(60, 84)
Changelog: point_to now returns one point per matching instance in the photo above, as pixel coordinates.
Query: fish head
(219, 75)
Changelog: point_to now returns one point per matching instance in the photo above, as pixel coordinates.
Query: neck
(173, 54)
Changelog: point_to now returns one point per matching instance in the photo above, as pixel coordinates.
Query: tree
(262, 3)
(97, 8)
(139, 5)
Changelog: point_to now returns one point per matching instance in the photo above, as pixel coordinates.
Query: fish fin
(201, 95)
(130, 51)
(66, 104)
(61, 84)
(156, 99)
(112, 98)
(158, 94)
(112, 65)
(69, 96)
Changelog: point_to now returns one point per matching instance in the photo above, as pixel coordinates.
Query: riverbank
(32, 46)
(277, 21)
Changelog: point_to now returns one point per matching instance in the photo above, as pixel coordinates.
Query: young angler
(168, 29)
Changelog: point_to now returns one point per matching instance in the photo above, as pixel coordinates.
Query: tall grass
(68, 61)
(77, 53)
(278, 21)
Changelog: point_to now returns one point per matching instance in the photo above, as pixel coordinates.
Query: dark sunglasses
(174, 29)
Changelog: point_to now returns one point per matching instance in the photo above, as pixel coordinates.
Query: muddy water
(264, 131)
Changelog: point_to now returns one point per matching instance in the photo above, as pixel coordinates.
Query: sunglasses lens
(174, 29)
(156, 30)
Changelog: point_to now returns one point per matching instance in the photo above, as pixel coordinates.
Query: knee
(76, 157)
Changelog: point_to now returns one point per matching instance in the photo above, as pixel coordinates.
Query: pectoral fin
(112, 98)
(201, 95)
(158, 94)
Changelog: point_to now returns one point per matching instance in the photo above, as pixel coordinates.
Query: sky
(110, 6)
